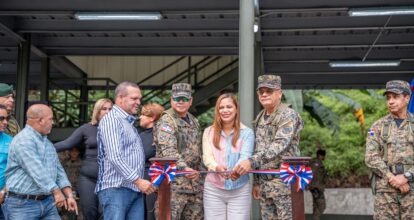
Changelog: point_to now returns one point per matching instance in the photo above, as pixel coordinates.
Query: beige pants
(220, 204)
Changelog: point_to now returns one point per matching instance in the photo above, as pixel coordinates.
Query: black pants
(149, 200)
(89, 202)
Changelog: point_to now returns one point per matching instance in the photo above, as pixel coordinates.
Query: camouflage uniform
(175, 137)
(13, 127)
(72, 169)
(276, 136)
(317, 187)
(389, 152)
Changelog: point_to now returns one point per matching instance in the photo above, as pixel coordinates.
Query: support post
(44, 79)
(23, 63)
(246, 61)
(83, 107)
(164, 192)
(298, 204)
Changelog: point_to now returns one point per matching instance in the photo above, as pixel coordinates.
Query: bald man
(34, 175)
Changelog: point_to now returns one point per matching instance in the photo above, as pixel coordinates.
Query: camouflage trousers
(319, 203)
(275, 200)
(390, 206)
(185, 206)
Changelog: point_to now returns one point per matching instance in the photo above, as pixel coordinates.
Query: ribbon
(158, 173)
(288, 174)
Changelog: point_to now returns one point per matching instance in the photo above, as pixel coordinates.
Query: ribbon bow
(289, 173)
(158, 173)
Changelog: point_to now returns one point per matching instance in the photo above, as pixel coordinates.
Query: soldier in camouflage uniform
(177, 135)
(317, 185)
(277, 129)
(72, 165)
(390, 154)
(7, 99)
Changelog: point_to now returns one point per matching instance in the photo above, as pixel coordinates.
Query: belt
(267, 177)
(24, 196)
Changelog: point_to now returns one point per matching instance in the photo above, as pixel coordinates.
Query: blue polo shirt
(4, 152)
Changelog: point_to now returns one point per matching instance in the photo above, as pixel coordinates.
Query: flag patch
(371, 132)
(167, 129)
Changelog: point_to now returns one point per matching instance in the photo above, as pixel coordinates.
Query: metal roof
(298, 38)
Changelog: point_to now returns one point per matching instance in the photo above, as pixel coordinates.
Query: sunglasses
(182, 98)
(2, 118)
(267, 90)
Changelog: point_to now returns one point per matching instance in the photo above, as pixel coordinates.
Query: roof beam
(119, 5)
(338, 54)
(164, 25)
(135, 41)
(331, 22)
(336, 39)
(131, 51)
(271, 4)
(323, 66)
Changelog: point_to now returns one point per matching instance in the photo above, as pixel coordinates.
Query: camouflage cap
(269, 81)
(397, 87)
(5, 89)
(181, 90)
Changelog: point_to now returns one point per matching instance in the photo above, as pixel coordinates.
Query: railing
(190, 73)
(71, 104)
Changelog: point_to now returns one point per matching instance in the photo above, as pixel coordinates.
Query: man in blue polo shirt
(5, 140)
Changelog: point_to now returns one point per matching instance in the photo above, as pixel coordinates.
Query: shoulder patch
(371, 132)
(167, 128)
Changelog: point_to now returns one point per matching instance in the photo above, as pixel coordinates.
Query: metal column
(246, 61)
(83, 107)
(44, 79)
(23, 62)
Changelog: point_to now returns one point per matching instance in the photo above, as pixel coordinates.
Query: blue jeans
(1, 214)
(28, 209)
(121, 203)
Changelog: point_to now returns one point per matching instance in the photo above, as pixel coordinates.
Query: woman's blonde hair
(217, 124)
(97, 108)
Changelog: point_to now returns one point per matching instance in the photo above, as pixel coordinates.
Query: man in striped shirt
(121, 158)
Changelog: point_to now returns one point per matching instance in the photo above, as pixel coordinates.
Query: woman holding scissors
(225, 144)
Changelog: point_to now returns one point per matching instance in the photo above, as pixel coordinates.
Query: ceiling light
(381, 11)
(118, 16)
(358, 63)
(255, 28)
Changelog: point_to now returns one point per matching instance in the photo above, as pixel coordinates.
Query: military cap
(269, 81)
(397, 87)
(181, 90)
(5, 89)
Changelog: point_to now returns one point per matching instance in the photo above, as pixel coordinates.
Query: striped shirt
(33, 165)
(227, 155)
(121, 156)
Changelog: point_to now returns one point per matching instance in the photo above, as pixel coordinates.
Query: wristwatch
(409, 176)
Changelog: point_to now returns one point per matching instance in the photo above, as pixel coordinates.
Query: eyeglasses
(181, 98)
(2, 118)
(262, 91)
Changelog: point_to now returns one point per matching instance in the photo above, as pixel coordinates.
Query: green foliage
(345, 152)
(206, 119)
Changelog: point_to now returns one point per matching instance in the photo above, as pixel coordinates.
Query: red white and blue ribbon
(288, 174)
(158, 173)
